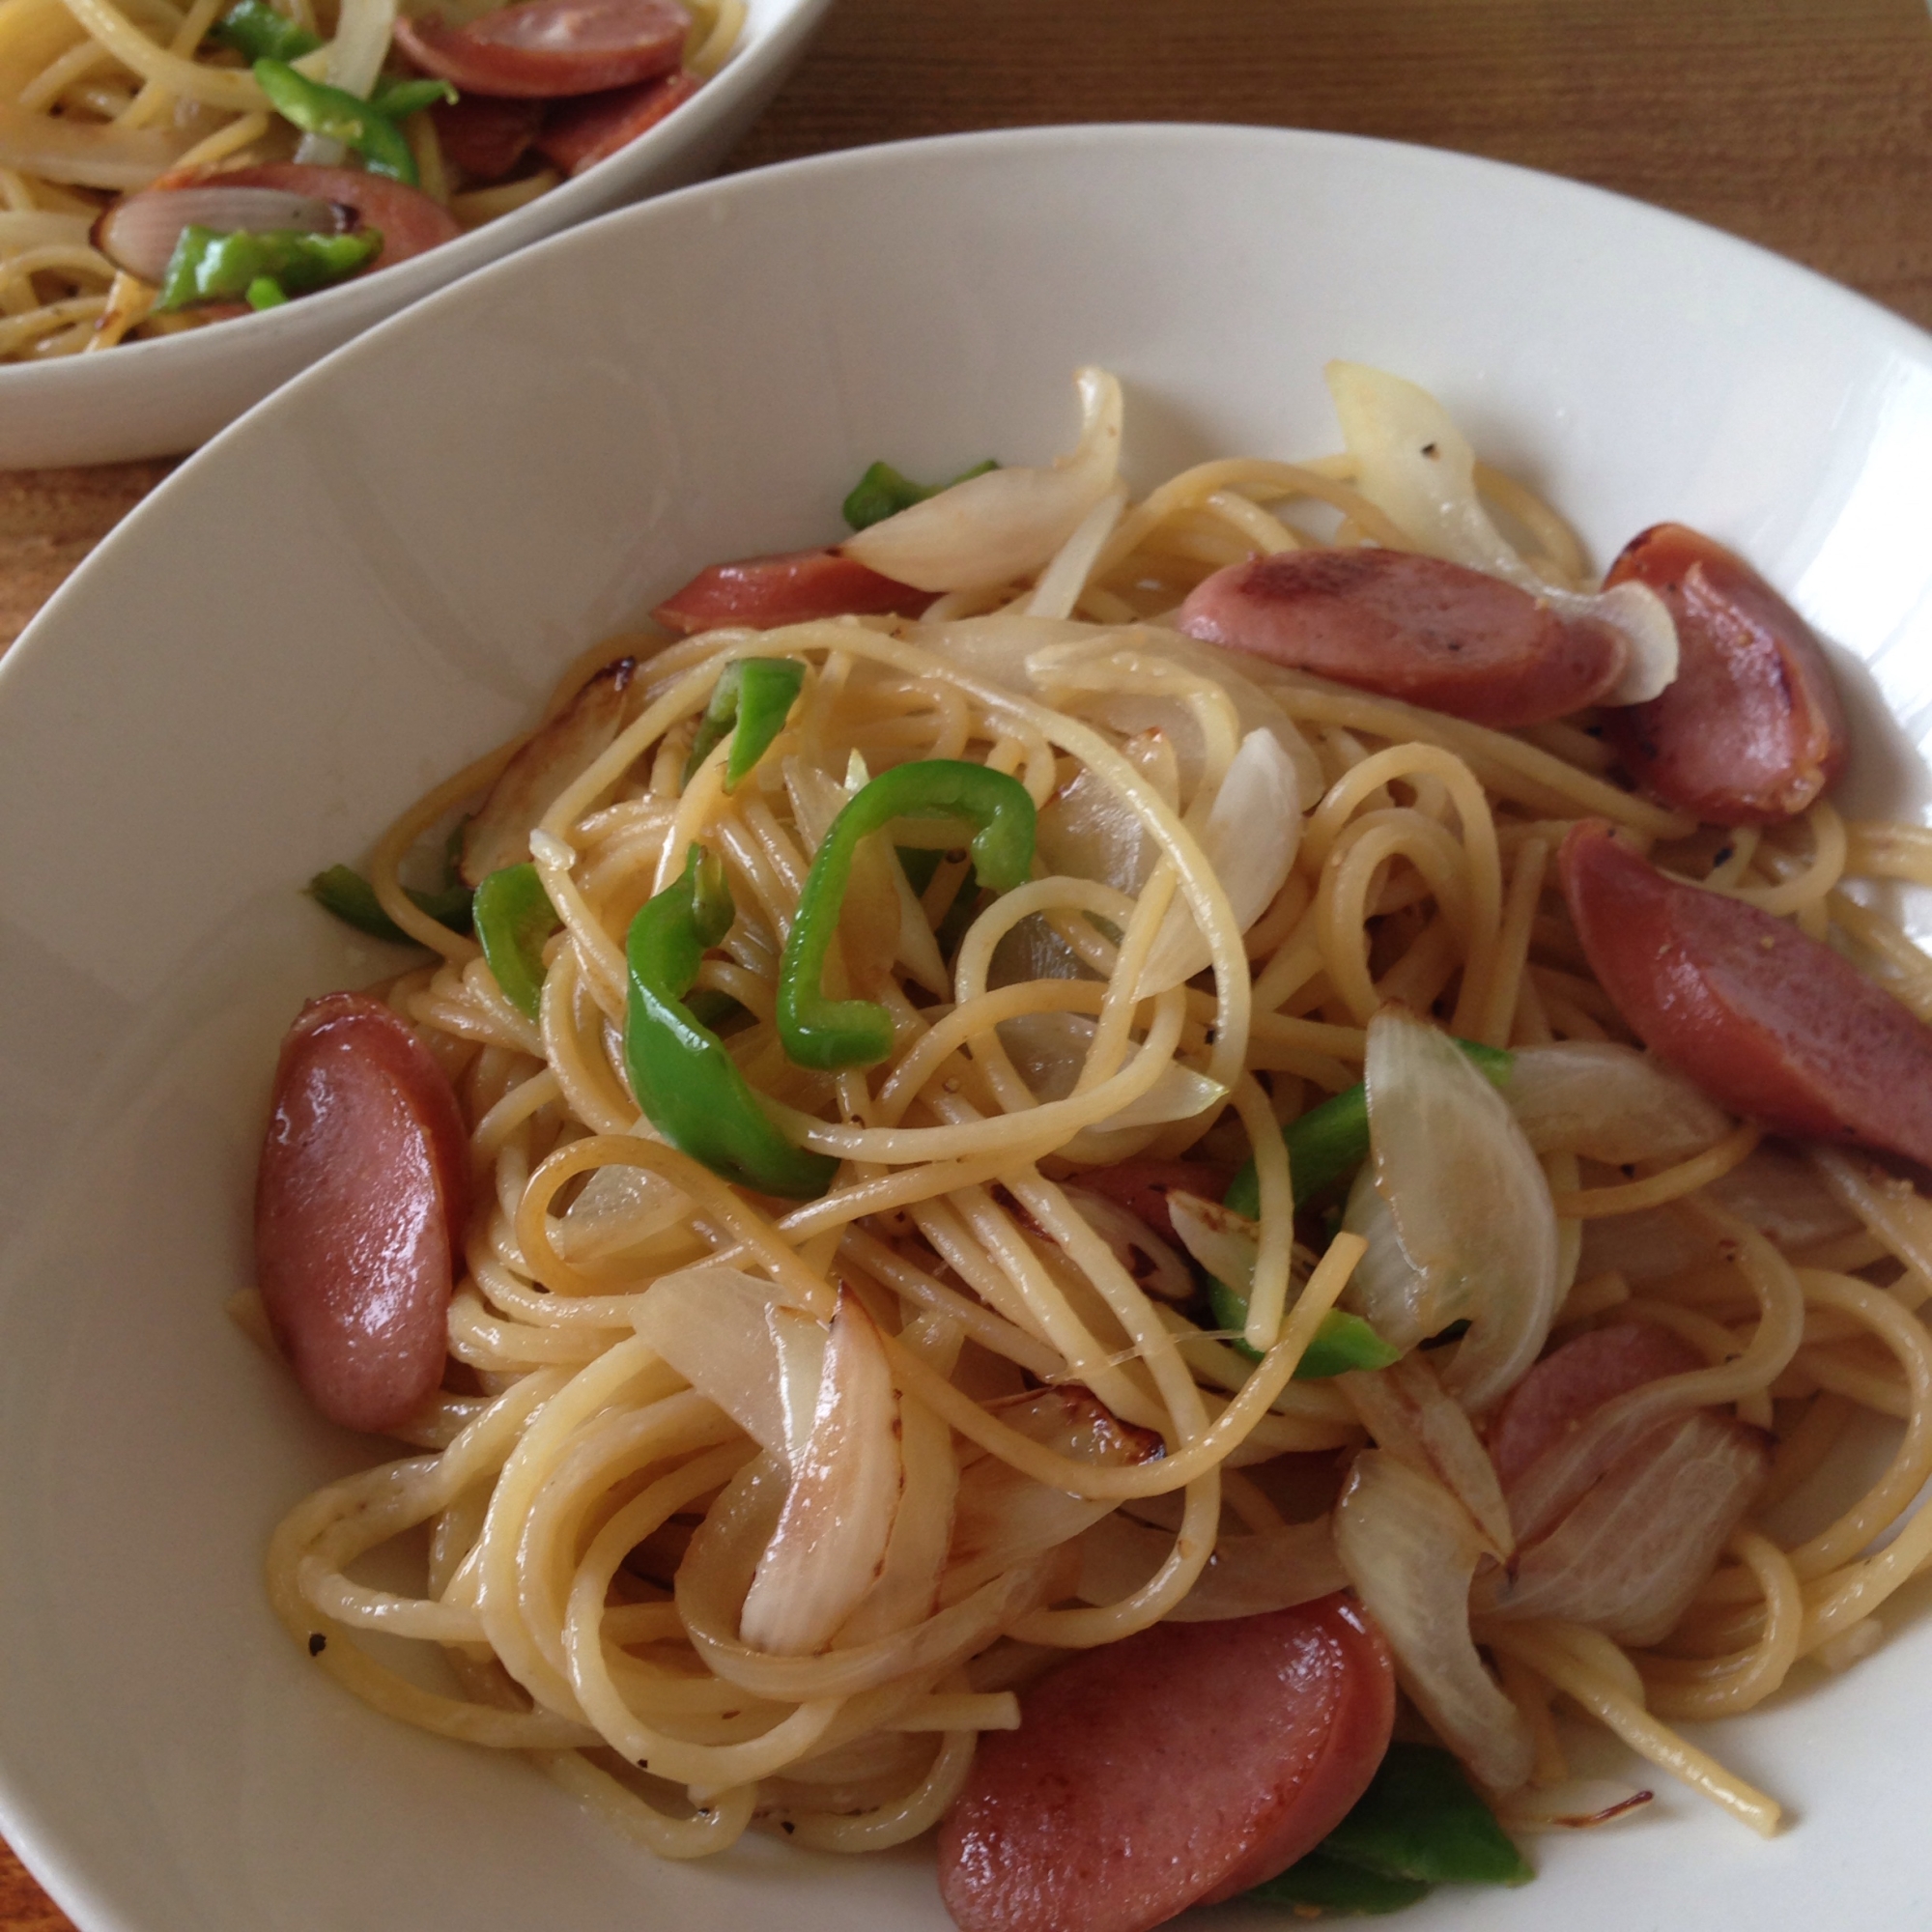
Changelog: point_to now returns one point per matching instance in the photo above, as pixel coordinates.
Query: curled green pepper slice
(513, 917)
(752, 699)
(831, 1034)
(1343, 1342)
(317, 109)
(686, 1082)
(258, 31)
(206, 266)
(344, 891)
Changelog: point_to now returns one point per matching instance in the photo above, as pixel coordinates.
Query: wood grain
(1803, 125)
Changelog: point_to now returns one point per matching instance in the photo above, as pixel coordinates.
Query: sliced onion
(1411, 1549)
(830, 1544)
(1246, 1577)
(139, 233)
(1227, 1245)
(734, 1339)
(1049, 1050)
(816, 797)
(619, 1207)
(1250, 840)
(1063, 580)
(1411, 1416)
(83, 153)
(1609, 1103)
(907, 1591)
(1004, 1519)
(717, 1570)
(498, 833)
(1630, 1556)
(1087, 831)
(1006, 523)
(1417, 468)
(1152, 1263)
(1471, 1209)
(998, 647)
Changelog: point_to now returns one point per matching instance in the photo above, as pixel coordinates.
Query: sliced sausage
(484, 137)
(1769, 1023)
(1410, 627)
(407, 220)
(793, 588)
(499, 832)
(1571, 1382)
(1176, 1768)
(578, 134)
(360, 1205)
(1142, 1186)
(549, 49)
(1752, 730)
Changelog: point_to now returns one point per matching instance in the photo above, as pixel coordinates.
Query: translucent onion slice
(1246, 1577)
(1609, 1103)
(1006, 523)
(1577, 1804)
(139, 232)
(1004, 1519)
(1411, 1549)
(619, 1207)
(1225, 1243)
(847, 1477)
(907, 1591)
(1138, 1249)
(86, 154)
(1417, 468)
(717, 1568)
(1471, 1209)
(1630, 1556)
(1049, 1050)
(731, 1337)
(1249, 841)
(1411, 1416)
(1087, 831)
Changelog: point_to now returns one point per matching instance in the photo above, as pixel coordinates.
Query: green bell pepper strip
(1421, 1818)
(1318, 1883)
(210, 267)
(396, 98)
(833, 1033)
(344, 891)
(752, 700)
(513, 917)
(264, 291)
(257, 31)
(883, 492)
(317, 109)
(684, 1079)
(1343, 1342)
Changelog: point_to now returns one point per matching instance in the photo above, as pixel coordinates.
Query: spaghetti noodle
(621, 1569)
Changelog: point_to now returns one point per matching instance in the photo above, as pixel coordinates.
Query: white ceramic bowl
(376, 575)
(155, 398)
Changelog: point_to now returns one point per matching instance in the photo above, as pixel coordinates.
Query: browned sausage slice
(792, 588)
(408, 222)
(1175, 1768)
(1752, 730)
(547, 50)
(1410, 627)
(360, 1203)
(578, 134)
(1770, 1024)
(1570, 1383)
(486, 137)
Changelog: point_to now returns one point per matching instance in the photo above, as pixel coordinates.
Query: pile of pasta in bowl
(1137, 1180)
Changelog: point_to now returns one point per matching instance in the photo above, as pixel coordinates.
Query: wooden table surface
(1803, 125)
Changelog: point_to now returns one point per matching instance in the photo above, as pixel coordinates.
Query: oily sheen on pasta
(757, 1495)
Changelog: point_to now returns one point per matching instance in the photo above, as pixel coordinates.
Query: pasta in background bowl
(425, 566)
(161, 392)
